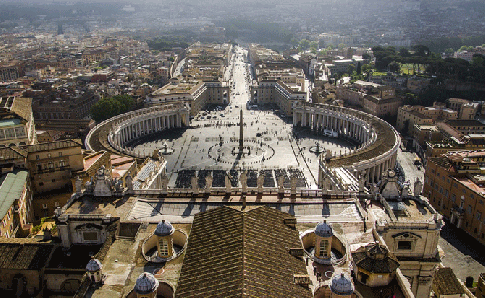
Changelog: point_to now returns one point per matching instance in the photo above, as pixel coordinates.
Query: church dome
(164, 228)
(323, 229)
(93, 265)
(146, 283)
(341, 285)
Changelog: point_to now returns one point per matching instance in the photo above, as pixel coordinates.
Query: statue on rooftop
(227, 183)
(244, 181)
(418, 187)
(260, 182)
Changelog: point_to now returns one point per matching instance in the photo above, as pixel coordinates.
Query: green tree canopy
(449, 51)
(109, 107)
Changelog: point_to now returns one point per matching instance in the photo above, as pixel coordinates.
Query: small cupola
(323, 242)
(164, 233)
(94, 270)
(341, 286)
(146, 286)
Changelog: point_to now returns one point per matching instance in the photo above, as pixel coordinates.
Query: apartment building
(408, 116)
(455, 186)
(51, 164)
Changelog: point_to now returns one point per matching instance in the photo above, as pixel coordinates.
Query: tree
(350, 68)
(367, 69)
(304, 44)
(478, 59)
(465, 48)
(109, 107)
(449, 51)
(421, 50)
(313, 46)
(322, 53)
(359, 68)
(403, 52)
(394, 67)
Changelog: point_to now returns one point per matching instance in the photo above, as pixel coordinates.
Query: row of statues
(243, 178)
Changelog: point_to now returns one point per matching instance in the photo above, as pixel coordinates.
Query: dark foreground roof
(25, 256)
(234, 253)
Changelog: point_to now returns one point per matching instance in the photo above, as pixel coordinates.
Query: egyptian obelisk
(241, 131)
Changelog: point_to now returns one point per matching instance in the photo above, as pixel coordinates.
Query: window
(41, 183)
(60, 154)
(90, 236)
(163, 244)
(404, 245)
(37, 157)
(323, 248)
(479, 215)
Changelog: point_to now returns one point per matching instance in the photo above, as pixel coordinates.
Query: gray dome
(146, 283)
(323, 229)
(93, 265)
(164, 228)
(341, 285)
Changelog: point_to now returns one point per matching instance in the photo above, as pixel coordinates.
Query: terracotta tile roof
(23, 107)
(233, 253)
(375, 258)
(54, 145)
(446, 283)
(9, 154)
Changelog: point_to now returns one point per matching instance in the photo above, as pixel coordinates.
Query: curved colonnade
(113, 134)
(379, 141)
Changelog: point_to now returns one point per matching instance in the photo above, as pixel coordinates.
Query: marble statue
(78, 185)
(193, 183)
(227, 183)
(244, 181)
(418, 187)
(260, 182)
(208, 183)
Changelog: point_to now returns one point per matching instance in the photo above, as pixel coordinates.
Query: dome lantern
(341, 285)
(146, 285)
(94, 270)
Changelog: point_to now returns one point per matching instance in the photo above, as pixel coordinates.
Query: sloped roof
(234, 253)
(446, 283)
(375, 258)
(10, 153)
(53, 145)
(22, 106)
(25, 256)
(11, 188)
